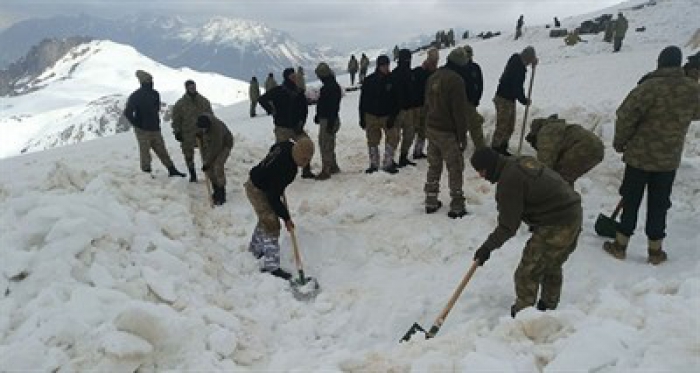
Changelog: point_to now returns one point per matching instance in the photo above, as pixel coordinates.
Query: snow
(123, 271)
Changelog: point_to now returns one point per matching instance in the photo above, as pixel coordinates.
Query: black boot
(172, 171)
(454, 214)
(432, 208)
(281, 273)
(193, 174)
(307, 174)
(391, 169)
(371, 170)
(403, 161)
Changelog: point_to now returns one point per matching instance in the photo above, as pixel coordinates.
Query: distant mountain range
(232, 47)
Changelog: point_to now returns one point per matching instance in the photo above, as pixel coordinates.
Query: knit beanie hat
(670, 56)
(303, 151)
(528, 54)
(458, 57)
(143, 76)
(485, 159)
(323, 70)
(189, 82)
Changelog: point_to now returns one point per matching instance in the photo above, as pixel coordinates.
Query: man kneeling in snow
(530, 192)
(265, 190)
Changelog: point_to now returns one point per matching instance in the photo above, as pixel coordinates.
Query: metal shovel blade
(415, 328)
(605, 226)
(305, 289)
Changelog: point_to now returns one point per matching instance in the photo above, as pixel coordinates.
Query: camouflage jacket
(653, 120)
(270, 83)
(254, 90)
(527, 191)
(353, 66)
(185, 113)
(215, 140)
(554, 137)
(445, 98)
(620, 27)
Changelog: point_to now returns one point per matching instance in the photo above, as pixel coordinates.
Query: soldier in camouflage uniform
(421, 75)
(620, 31)
(609, 30)
(353, 66)
(446, 124)
(530, 192)
(254, 95)
(265, 191)
(270, 82)
(217, 142)
(364, 65)
(510, 88)
(185, 113)
(650, 130)
(572, 38)
(566, 148)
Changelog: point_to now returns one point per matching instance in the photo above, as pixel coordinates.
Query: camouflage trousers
(284, 134)
(578, 160)
(540, 267)
(420, 132)
(505, 121)
(475, 124)
(216, 170)
(148, 140)
(188, 144)
(443, 147)
(326, 141)
(406, 122)
(265, 241)
(375, 126)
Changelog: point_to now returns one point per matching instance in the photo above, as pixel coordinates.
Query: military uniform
(184, 122)
(421, 75)
(510, 88)
(568, 149)
(270, 82)
(409, 105)
(650, 131)
(254, 95)
(620, 31)
(530, 192)
(327, 117)
(364, 65)
(572, 39)
(353, 66)
(217, 142)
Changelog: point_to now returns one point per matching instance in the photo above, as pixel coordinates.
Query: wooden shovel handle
(618, 208)
(295, 245)
(443, 315)
(527, 109)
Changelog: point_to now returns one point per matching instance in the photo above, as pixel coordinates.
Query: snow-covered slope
(81, 96)
(106, 269)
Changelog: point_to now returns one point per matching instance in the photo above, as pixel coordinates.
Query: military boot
(432, 206)
(193, 174)
(617, 248)
(335, 169)
(656, 254)
(306, 172)
(389, 164)
(325, 174)
(373, 160)
(172, 171)
(403, 161)
(279, 272)
(457, 209)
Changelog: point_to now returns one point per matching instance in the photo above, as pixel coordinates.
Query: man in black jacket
(474, 84)
(265, 191)
(288, 106)
(327, 118)
(409, 105)
(510, 88)
(378, 110)
(142, 110)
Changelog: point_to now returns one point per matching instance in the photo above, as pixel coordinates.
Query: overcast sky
(340, 23)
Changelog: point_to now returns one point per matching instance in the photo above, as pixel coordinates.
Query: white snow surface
(106, 269)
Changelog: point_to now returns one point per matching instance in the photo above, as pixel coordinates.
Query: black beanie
(383, 60)
(287, 72)
(670, 57)
(485, 159)
(203, 121)
(189, 82)
(404, 55)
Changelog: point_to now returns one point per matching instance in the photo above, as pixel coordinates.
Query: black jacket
(287, 103)
(378, 96)
(510, 86)
(405, 85)
(274, 173)
(329, 97)
(421, 76)
(473, 82)
(143, 108)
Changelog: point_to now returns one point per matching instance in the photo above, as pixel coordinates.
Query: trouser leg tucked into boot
(457, 208)
(373, 160)
(418, 149)
(306, 172)
(618, 247)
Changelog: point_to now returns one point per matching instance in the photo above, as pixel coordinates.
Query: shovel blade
(605, 226)
(306, 289)
(415, 328)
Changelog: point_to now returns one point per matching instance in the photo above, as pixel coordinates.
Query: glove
(178, 136)
(316, 120)
(482, 255)
(205, 168)
(390, 122)
(363, 124)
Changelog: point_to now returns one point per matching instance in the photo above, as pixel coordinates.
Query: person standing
(378, 109)
(528, 191)
(620, 31)
(364, 65)
(353, 66)
(510, 88)
(650, 130)
(557, 24)
(287, 104)
(265, 191)
(184, 122)
(143, 112)
(217, 143)
(327, 118)
(474, 84)
(409, 105)
(566, 148)
(270, 82)
(421, 74)
(254, 95)
(446, 122)
(519, 27)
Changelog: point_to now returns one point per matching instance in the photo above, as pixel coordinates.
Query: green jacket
(185, 113)
(445, 98)
(653, 120)
(254, 90)
(215, 140)
(527, 191)
(620, 27)
(552, 138)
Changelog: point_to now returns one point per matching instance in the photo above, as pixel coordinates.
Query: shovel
(607, 226)
(443, 315)
(303, 288)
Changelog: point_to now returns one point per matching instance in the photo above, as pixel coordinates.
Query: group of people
(409, 106)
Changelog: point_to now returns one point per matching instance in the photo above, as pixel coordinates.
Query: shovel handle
(443, 315)
(295, 247)
(618, 208)
(527, 109)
